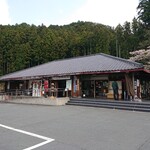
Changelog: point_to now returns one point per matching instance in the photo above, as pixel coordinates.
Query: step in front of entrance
(124, 105)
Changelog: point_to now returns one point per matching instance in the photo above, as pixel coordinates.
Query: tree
(136, 33)
(144, 12)
(142, 56)
(128, 42)
(144, 16)
(119, 39)
(124, 40)
(23, 45)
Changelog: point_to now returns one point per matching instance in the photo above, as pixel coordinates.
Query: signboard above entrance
(61, 78)
(96, 77)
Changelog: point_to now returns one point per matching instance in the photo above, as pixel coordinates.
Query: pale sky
(60, 12)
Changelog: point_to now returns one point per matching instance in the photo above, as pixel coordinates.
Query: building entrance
(61, 88)
(88, 88)
(95, 88)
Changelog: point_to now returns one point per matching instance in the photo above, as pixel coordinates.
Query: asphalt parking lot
(26, 127)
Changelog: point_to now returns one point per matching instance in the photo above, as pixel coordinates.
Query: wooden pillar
(94, 90)
(133, 86)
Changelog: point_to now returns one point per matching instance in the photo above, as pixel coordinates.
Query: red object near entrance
(46, 85)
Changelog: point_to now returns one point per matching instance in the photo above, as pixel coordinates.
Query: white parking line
(38, 145)
(47, 140)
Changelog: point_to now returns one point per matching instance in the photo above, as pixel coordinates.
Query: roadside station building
(87, 76)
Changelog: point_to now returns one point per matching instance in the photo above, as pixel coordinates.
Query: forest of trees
(23, 45)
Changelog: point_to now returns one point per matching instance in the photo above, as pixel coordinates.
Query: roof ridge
(75, 57)
(123, 59)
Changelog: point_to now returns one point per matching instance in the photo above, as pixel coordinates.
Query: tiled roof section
(86, 64)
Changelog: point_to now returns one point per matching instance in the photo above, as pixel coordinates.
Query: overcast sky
(60, 12)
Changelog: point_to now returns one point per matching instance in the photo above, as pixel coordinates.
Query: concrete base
(35, 100)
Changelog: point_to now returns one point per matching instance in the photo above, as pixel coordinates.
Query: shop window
(101, 88)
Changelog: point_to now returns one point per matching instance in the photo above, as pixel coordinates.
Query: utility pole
(119, 51)
(116, 47)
